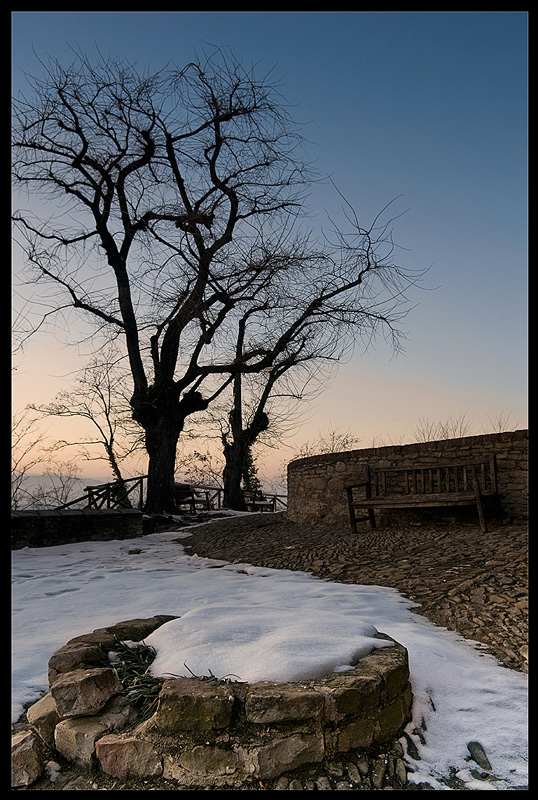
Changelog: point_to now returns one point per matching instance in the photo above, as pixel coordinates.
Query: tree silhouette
(170, 223)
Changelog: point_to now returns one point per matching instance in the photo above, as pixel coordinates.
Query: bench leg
(354, 519)
(481, 515)
(480, 506)
(351, 510)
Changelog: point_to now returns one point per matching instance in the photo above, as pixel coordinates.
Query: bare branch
(171, 202)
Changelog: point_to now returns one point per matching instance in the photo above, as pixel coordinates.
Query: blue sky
(429, 108)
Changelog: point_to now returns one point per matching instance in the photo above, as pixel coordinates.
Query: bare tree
(26, 454)
(333, 440)
(500, 423)
(202, 466)
(99, 397)
(168, 224)
(457, 427)
(451, 428)
(60, 480)
(266, 407)
(31, 450)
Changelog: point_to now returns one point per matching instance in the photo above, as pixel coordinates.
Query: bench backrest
(182, 491)
(433, 479)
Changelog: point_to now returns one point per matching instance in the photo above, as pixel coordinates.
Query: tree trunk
(232, 475)
(161, 444)
(162, 415)
(236, 451)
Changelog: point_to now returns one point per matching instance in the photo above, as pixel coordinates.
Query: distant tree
(201, 466)
(31, 451)
(56, 486)
(27, 440)
(333, 440)
(451, 428)
(500, 423)
(99, 397)
(169, 222)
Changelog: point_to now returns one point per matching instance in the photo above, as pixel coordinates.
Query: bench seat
(426, 501)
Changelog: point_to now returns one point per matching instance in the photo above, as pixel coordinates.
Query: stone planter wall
(206, 733)
(42, 528)
(316, 485)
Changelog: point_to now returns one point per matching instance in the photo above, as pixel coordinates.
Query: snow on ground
(267, 624)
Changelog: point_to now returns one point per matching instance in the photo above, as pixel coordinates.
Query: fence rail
(130, 493)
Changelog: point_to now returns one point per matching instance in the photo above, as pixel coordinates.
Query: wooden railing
(117, 494)
(130, 493)
(266, 502)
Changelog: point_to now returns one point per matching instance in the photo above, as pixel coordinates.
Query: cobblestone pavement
(473, 582)
(466, 580)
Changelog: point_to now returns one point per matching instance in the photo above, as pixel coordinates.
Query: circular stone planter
(210, 733)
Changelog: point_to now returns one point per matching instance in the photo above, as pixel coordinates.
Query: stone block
(391, 720)
(207, 760)
(400, 770)
(377, 773)
(99, 638)
(84, 692)
(189, 704)
(43, 717)
(127, 757)
(347, 696)
(391, 665)
(335, 487)
(75, 738)
(116, 714)
(318, 484)
(75, 655)
(357, 734)
(26, 760)
(282, 755)
(268, 703)
(134, 629)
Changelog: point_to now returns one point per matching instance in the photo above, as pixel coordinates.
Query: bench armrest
(349, 490)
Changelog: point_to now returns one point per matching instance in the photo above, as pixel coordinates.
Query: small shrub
(131, 664)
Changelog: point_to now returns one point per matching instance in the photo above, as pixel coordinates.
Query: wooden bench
(439, 485)
(261, 505)
(184, 495)
(258, 502)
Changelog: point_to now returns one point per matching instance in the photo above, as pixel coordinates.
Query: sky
(424, 109)
(250, 621)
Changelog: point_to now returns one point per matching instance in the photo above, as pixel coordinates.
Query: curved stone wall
(210, 733)
(316, 485)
